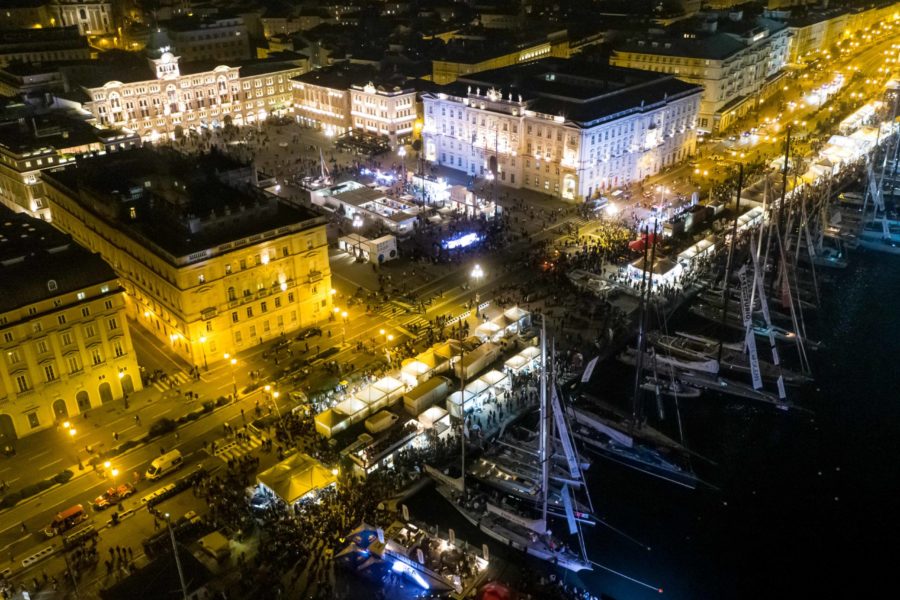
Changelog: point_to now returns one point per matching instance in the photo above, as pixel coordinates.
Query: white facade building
(92, 17)
(157, 101)
(383, 110)
(561, 127)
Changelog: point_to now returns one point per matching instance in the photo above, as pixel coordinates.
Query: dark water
(807, 503)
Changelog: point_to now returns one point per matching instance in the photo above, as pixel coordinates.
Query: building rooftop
(580, 92)
(175, 203)
(343, 75)
(50, 131)
(714, 46)
(35, 257)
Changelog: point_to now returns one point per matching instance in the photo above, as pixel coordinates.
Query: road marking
(40, 454)
(58, 460)
(128, 429)
(24, 537)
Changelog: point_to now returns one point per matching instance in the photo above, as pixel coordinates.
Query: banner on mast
(589, 370)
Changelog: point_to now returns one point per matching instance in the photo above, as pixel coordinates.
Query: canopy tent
(415, 371)
(476, 387)
(369, 394)
(487, 331)
(493, 378)
(351, 407)
(388, 385)
(432, 416)
(516, 363)
(330, 423)
(704, 247)
(531, 352)
(516, 314)
(455, 400)
(295, 477)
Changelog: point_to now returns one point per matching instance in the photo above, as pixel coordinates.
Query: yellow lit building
(64, 336)
(211, 263)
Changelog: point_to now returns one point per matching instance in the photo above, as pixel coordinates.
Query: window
(74, 363)
(266, 326)
(85, 311)
(33, 420)
(250, 313)
(252, 331)
(42, 346)
(201, 278)
(61, 319)
(66, 339)
(237, 337)
(231, 294)
(112, 323)
(228, 269)
(37, 327)
(234, 317)
(108, 304)
(49, 373)
(89, 331)
(278, 302)
(13, 357)
(291, 297)
(7, 336)
(22, 383)
(243, 264)
(263, 307)
(118, 349)
(104, 289)
(96, 356)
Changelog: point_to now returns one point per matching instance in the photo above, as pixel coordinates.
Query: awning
(369, 394)
(295, 477)
(351, 406)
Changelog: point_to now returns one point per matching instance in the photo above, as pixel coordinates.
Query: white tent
(493, 378)
(369, 394)
(351, 407)
(454, 402)
(388, 385)
(487, 331)
(432, 416)
(476, 387)
(515, 314)
(414, 372)
(516, 363)
(531, 352)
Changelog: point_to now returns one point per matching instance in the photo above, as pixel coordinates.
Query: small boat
(650, 356)
(668, 387)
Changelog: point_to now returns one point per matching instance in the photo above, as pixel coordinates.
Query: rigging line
(631, 579)
(618, 531)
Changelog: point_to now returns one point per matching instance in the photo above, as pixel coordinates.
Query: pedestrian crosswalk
(418, 326)
(230, 448)
(175, 380)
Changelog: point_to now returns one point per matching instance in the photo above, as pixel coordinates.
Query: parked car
(329, 352)
(65, 520)
(308, 333)
(112, 496)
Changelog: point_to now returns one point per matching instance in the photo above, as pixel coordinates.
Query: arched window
(231, 294)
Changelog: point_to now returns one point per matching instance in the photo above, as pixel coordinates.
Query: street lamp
(402, 154)
(203, 349)
(477, 274)
(232, 362)
(177, 559)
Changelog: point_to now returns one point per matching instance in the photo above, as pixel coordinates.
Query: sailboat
(527, 528)
(628, 441)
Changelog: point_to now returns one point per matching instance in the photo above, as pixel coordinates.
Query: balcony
(315, 276)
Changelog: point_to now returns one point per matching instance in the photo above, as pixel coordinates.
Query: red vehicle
(112, 496)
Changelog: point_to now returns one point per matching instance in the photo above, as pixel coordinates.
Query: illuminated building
(159, 96)
(346, 96)
(211, 263)
(739, 64)
(565, 128)
(64, 337)
(28, 148)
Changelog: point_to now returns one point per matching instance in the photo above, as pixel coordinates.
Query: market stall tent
(296, 477)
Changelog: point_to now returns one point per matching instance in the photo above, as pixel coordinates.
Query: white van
(170, 461)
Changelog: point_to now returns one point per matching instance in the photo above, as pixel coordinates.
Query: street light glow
(477, 272)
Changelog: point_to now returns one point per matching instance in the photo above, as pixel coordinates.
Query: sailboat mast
(784, 184)
(462, 429)
(725, 297)
(543, 451)
(639, 358)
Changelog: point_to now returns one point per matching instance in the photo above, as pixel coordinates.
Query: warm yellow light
(267, 387)
(66, 424)
(202, 339)
(121, 374)
(106, 464)
(334, 472)
(381, 332)
(233, 361)
(226, 356)
(114, 472)
(276, 394)
(344, 314)
(72, 432)
(147, 314)
(333, 291)
(390, 338)
(336, 310)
